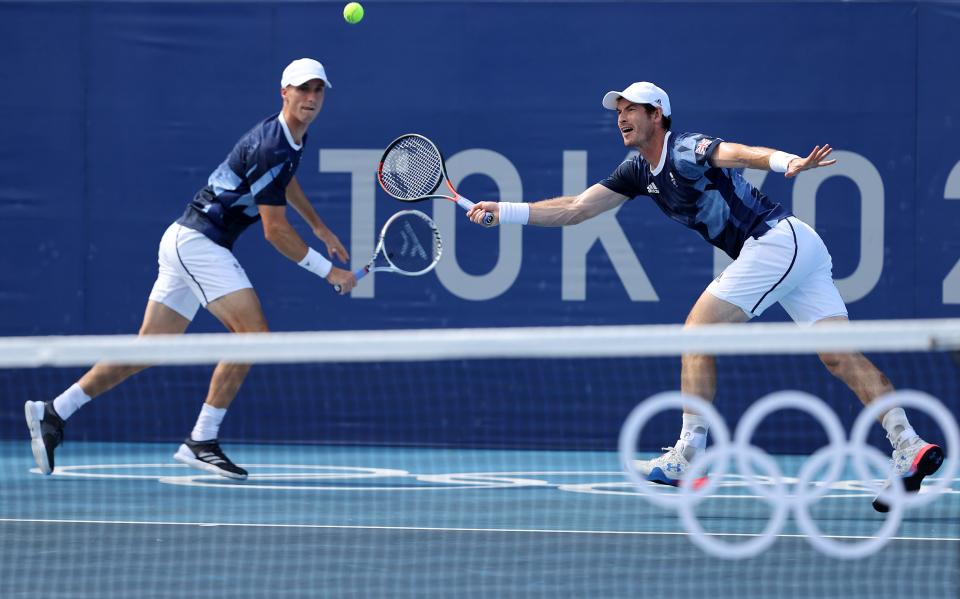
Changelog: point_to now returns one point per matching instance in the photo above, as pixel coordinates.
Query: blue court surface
(121, 520)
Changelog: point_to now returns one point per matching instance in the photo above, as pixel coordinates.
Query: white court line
(446, 529)
(464, 481)
(446, 481)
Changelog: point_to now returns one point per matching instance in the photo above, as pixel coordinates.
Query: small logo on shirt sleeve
(702, 146)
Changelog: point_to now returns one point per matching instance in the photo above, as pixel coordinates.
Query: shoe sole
(927, 462)
(36, 439)
(643, 467)
(657, 476)
(185, 456)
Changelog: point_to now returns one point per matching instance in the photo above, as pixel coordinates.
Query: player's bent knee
(831, 361)
(260, 327)
(839, 363)
(249, 326)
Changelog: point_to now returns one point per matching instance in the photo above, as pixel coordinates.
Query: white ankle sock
(70, 401)
(208, 423)
(693, 436)
(899, 431)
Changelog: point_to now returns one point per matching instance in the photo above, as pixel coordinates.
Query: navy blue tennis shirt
(256, 172)
(717, 203)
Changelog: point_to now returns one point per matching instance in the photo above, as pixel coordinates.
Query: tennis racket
(412, 169)
(409, 244)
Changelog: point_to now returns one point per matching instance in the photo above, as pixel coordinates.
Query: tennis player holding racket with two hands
(698, 181)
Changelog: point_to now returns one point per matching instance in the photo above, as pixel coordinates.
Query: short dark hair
(650, 108)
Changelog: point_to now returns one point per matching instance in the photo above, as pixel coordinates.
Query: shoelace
(670, 453)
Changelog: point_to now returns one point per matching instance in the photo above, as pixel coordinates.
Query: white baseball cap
(641, 92)
(302, 70)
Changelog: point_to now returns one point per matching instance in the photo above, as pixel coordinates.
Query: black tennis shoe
(46, 432)
(207, 455)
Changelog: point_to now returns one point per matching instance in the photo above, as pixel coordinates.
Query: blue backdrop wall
(115, 113)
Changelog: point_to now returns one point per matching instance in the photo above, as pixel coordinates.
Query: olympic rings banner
(804, 491)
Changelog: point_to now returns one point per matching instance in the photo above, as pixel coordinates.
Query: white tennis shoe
(912, 463)
(668, 469)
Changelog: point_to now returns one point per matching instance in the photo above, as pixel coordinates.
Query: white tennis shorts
(788, 264)
(194, 271)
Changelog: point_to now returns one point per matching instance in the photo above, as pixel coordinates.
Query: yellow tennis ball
(353, 13)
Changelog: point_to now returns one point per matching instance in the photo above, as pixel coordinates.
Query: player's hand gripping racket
(412, 169)
(409, 244)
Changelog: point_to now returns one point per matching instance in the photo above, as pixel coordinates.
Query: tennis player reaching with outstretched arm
(197, 267)
(697, 180)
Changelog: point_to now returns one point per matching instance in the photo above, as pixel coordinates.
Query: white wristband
(316, 263)
(514, 213)
(780, 161)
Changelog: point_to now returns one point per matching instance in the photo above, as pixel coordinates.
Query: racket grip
(467, 205)
(359, 273)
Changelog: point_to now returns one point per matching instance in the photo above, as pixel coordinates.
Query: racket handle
(467, 205)
(359, 273)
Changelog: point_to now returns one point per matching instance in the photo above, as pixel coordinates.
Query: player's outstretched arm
(555, 212)
(298, 199)
(734, 155)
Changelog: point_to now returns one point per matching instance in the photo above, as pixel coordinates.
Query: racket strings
(411, 169)
(411, 244)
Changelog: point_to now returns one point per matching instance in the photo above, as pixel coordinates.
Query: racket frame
(444, 178)
(436, 249)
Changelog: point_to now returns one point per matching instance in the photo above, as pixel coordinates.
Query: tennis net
(480, 462)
